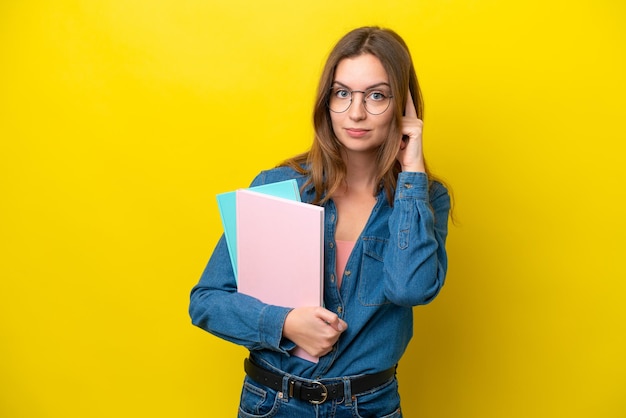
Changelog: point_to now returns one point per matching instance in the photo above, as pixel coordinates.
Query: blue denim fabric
(260, 401)
(398, 262)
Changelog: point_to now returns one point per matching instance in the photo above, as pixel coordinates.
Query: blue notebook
(227, 204)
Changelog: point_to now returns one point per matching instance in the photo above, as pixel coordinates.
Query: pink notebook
(280, 251)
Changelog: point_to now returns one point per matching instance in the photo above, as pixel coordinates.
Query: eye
(377, 96)
(340, 93)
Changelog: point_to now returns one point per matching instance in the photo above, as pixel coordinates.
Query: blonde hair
(323, 163)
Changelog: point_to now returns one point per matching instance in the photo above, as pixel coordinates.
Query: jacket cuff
(271, 323)
(412, 185)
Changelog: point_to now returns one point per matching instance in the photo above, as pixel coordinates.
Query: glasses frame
(352, 98)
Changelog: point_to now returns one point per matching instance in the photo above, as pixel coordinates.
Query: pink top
(344, 248)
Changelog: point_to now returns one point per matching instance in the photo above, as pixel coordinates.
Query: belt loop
(347, 392)
(286, 388)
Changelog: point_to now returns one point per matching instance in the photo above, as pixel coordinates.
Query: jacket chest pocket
(371, 287)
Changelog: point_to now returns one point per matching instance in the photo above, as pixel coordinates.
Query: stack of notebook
(275, 243)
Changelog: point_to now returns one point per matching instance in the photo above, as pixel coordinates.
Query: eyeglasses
(375, 101)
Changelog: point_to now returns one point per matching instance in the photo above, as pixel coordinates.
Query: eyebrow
(373, 86)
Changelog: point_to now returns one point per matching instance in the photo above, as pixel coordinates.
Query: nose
(357, 107)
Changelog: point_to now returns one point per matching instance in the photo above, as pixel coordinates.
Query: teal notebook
(227, 204)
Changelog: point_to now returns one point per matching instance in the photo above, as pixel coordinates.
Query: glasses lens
(339, 100)
(376, 102)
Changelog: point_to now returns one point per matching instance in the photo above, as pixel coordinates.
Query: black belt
(315, 391)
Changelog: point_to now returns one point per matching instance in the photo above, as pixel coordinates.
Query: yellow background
(120, 121)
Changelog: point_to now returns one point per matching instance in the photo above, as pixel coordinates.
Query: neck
(360, 171)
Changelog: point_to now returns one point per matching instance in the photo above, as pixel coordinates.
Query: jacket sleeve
(416, 261)
(217, 307)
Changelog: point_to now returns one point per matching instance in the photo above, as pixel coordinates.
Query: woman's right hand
(314, 329)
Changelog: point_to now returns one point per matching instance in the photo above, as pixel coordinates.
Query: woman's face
(357, 129)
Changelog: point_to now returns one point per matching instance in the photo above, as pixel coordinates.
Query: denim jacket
(398, 262)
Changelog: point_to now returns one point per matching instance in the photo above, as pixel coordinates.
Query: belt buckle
(324, 393)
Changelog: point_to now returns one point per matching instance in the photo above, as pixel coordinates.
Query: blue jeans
(258, 401)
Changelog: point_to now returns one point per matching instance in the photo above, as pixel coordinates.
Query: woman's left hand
(410, 154)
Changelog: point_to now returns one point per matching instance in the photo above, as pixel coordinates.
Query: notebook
(226, 203)
(280, 251)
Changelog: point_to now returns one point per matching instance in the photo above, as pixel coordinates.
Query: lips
(356, 133)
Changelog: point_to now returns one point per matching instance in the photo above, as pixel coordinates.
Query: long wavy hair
(323, 163)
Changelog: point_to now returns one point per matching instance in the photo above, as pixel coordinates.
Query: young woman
(385, 231)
